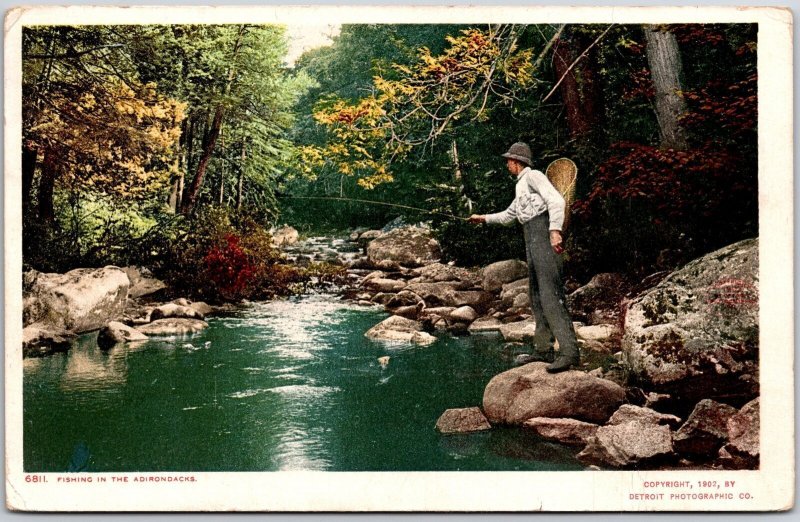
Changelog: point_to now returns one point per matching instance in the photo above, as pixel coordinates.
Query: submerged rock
(523, 393)
(400, 329)
(173, 326)
(462, 420)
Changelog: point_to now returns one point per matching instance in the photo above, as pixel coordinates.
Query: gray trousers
(546, 288)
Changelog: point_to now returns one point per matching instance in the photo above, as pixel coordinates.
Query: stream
(284, 385)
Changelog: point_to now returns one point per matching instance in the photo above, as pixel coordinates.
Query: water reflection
(287, 385)
(91, 369)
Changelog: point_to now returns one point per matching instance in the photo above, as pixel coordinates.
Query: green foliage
(91, 229)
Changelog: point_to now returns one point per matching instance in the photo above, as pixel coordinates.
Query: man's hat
(520, 152)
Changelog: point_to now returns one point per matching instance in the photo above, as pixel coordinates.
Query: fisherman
(540, 208)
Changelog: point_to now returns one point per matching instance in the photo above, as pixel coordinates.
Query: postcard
(399, 259)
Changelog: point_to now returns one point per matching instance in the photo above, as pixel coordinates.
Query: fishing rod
(331, 198)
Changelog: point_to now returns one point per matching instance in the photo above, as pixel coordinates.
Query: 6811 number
(35, 478)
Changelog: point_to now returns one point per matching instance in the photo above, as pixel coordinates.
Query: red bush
(229, 268)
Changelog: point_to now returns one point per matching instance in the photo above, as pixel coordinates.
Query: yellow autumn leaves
(414, 104)
(111, 137)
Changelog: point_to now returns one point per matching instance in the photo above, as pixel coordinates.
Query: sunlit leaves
(420, 102)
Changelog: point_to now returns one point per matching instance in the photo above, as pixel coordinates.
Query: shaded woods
(178, 147)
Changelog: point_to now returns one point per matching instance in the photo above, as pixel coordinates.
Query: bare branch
(581, 56)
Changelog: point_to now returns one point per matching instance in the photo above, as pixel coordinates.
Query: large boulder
(695, 335)
(142, 281)
(39, 341)
(502, 272)
(116, 332)
(285, 236)
(600, 296)
(630, 444)
(565, 431)
(79, 301)
(462, 420)
(407, 246)
(400, 329)
(523, 393)
(173, 326)
(742, 451)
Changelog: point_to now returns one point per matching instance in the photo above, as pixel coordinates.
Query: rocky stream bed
(669, 375)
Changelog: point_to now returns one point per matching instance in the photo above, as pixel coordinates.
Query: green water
(288, 385)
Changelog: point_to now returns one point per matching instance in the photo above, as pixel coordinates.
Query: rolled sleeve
(504, 218)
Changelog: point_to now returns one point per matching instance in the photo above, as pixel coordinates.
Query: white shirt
(535, 195)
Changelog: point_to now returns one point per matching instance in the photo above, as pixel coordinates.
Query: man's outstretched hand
(476, 218)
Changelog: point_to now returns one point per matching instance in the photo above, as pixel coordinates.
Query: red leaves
(229, 268)
(733, 107)
(672, 181)
(641, 85)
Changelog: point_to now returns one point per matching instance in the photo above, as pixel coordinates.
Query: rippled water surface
(287, 385)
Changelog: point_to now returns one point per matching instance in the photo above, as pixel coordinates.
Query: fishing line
(331, 198)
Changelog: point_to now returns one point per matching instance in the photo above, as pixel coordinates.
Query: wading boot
(562, 363)
(536, 356)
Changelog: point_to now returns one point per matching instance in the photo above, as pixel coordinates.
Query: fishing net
(562, 173)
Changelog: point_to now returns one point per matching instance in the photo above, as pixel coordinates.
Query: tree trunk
(29, 156)
(47, 183)
(583, 102)
(202, 165)
(211, 138)
(664, 60)
(240, 188)
(563, 56)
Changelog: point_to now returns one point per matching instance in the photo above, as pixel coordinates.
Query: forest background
(178, 147)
